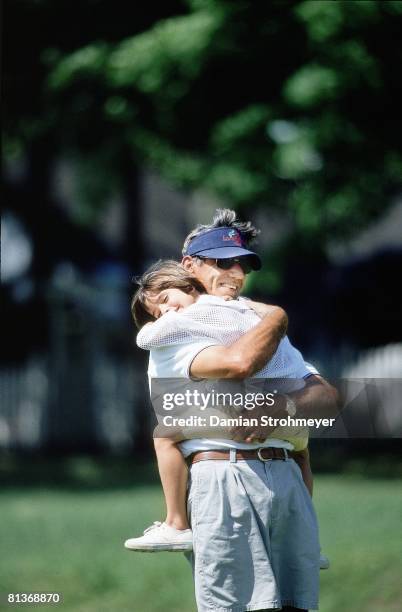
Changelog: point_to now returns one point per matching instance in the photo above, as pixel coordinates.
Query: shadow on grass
(78, 473)
(371, 459)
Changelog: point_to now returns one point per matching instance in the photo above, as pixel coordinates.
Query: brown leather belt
(263, 454)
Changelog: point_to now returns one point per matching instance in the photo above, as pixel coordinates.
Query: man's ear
(188, 263)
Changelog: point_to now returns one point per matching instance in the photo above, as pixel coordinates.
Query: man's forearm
(318, 399)
(247, 355)
(257, 346)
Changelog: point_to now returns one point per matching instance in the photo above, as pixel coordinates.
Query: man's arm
(318, 399)
(248, 354)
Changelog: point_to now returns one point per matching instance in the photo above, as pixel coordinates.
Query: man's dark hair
(164, 274)
(224, 217)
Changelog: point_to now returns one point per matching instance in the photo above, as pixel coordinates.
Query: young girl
(167, 292)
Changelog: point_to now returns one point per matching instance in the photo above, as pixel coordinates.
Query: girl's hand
(261, 309)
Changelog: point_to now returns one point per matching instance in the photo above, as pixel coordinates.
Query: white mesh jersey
(211, 321)
(176, 338)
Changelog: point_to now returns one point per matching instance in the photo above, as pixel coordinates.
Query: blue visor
(222, 243)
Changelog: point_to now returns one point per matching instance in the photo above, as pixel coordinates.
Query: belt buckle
(260, 457)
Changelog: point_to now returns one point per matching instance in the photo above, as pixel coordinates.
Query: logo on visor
(233, 236)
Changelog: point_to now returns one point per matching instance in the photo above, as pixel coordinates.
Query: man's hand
(260, 432)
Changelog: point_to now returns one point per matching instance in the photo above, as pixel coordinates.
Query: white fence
(28, 415)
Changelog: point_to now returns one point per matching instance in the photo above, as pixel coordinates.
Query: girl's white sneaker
(159, 537)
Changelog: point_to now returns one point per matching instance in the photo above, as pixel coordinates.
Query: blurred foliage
(289, 105)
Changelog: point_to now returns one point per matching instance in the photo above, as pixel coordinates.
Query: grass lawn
(66, 536)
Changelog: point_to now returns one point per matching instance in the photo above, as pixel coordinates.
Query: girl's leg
(173, 473)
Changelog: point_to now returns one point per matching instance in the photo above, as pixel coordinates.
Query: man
(255, 533)
(218, 256)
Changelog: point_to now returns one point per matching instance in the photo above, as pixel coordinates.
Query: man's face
(222, 283)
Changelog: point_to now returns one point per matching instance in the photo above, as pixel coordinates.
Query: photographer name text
(241, 421)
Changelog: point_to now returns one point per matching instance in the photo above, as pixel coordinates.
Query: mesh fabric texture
(223, 322)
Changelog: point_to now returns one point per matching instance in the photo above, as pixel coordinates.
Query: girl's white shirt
(176, 338)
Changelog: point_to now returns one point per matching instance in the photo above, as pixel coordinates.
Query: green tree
(289, 105)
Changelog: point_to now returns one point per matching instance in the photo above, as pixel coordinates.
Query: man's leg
(294, 538)
(231, 560)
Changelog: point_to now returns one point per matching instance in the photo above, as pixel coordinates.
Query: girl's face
(169, 299)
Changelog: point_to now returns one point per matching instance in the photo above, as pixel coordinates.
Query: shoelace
(154, 525)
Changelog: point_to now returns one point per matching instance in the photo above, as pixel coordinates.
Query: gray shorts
(255, 536)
